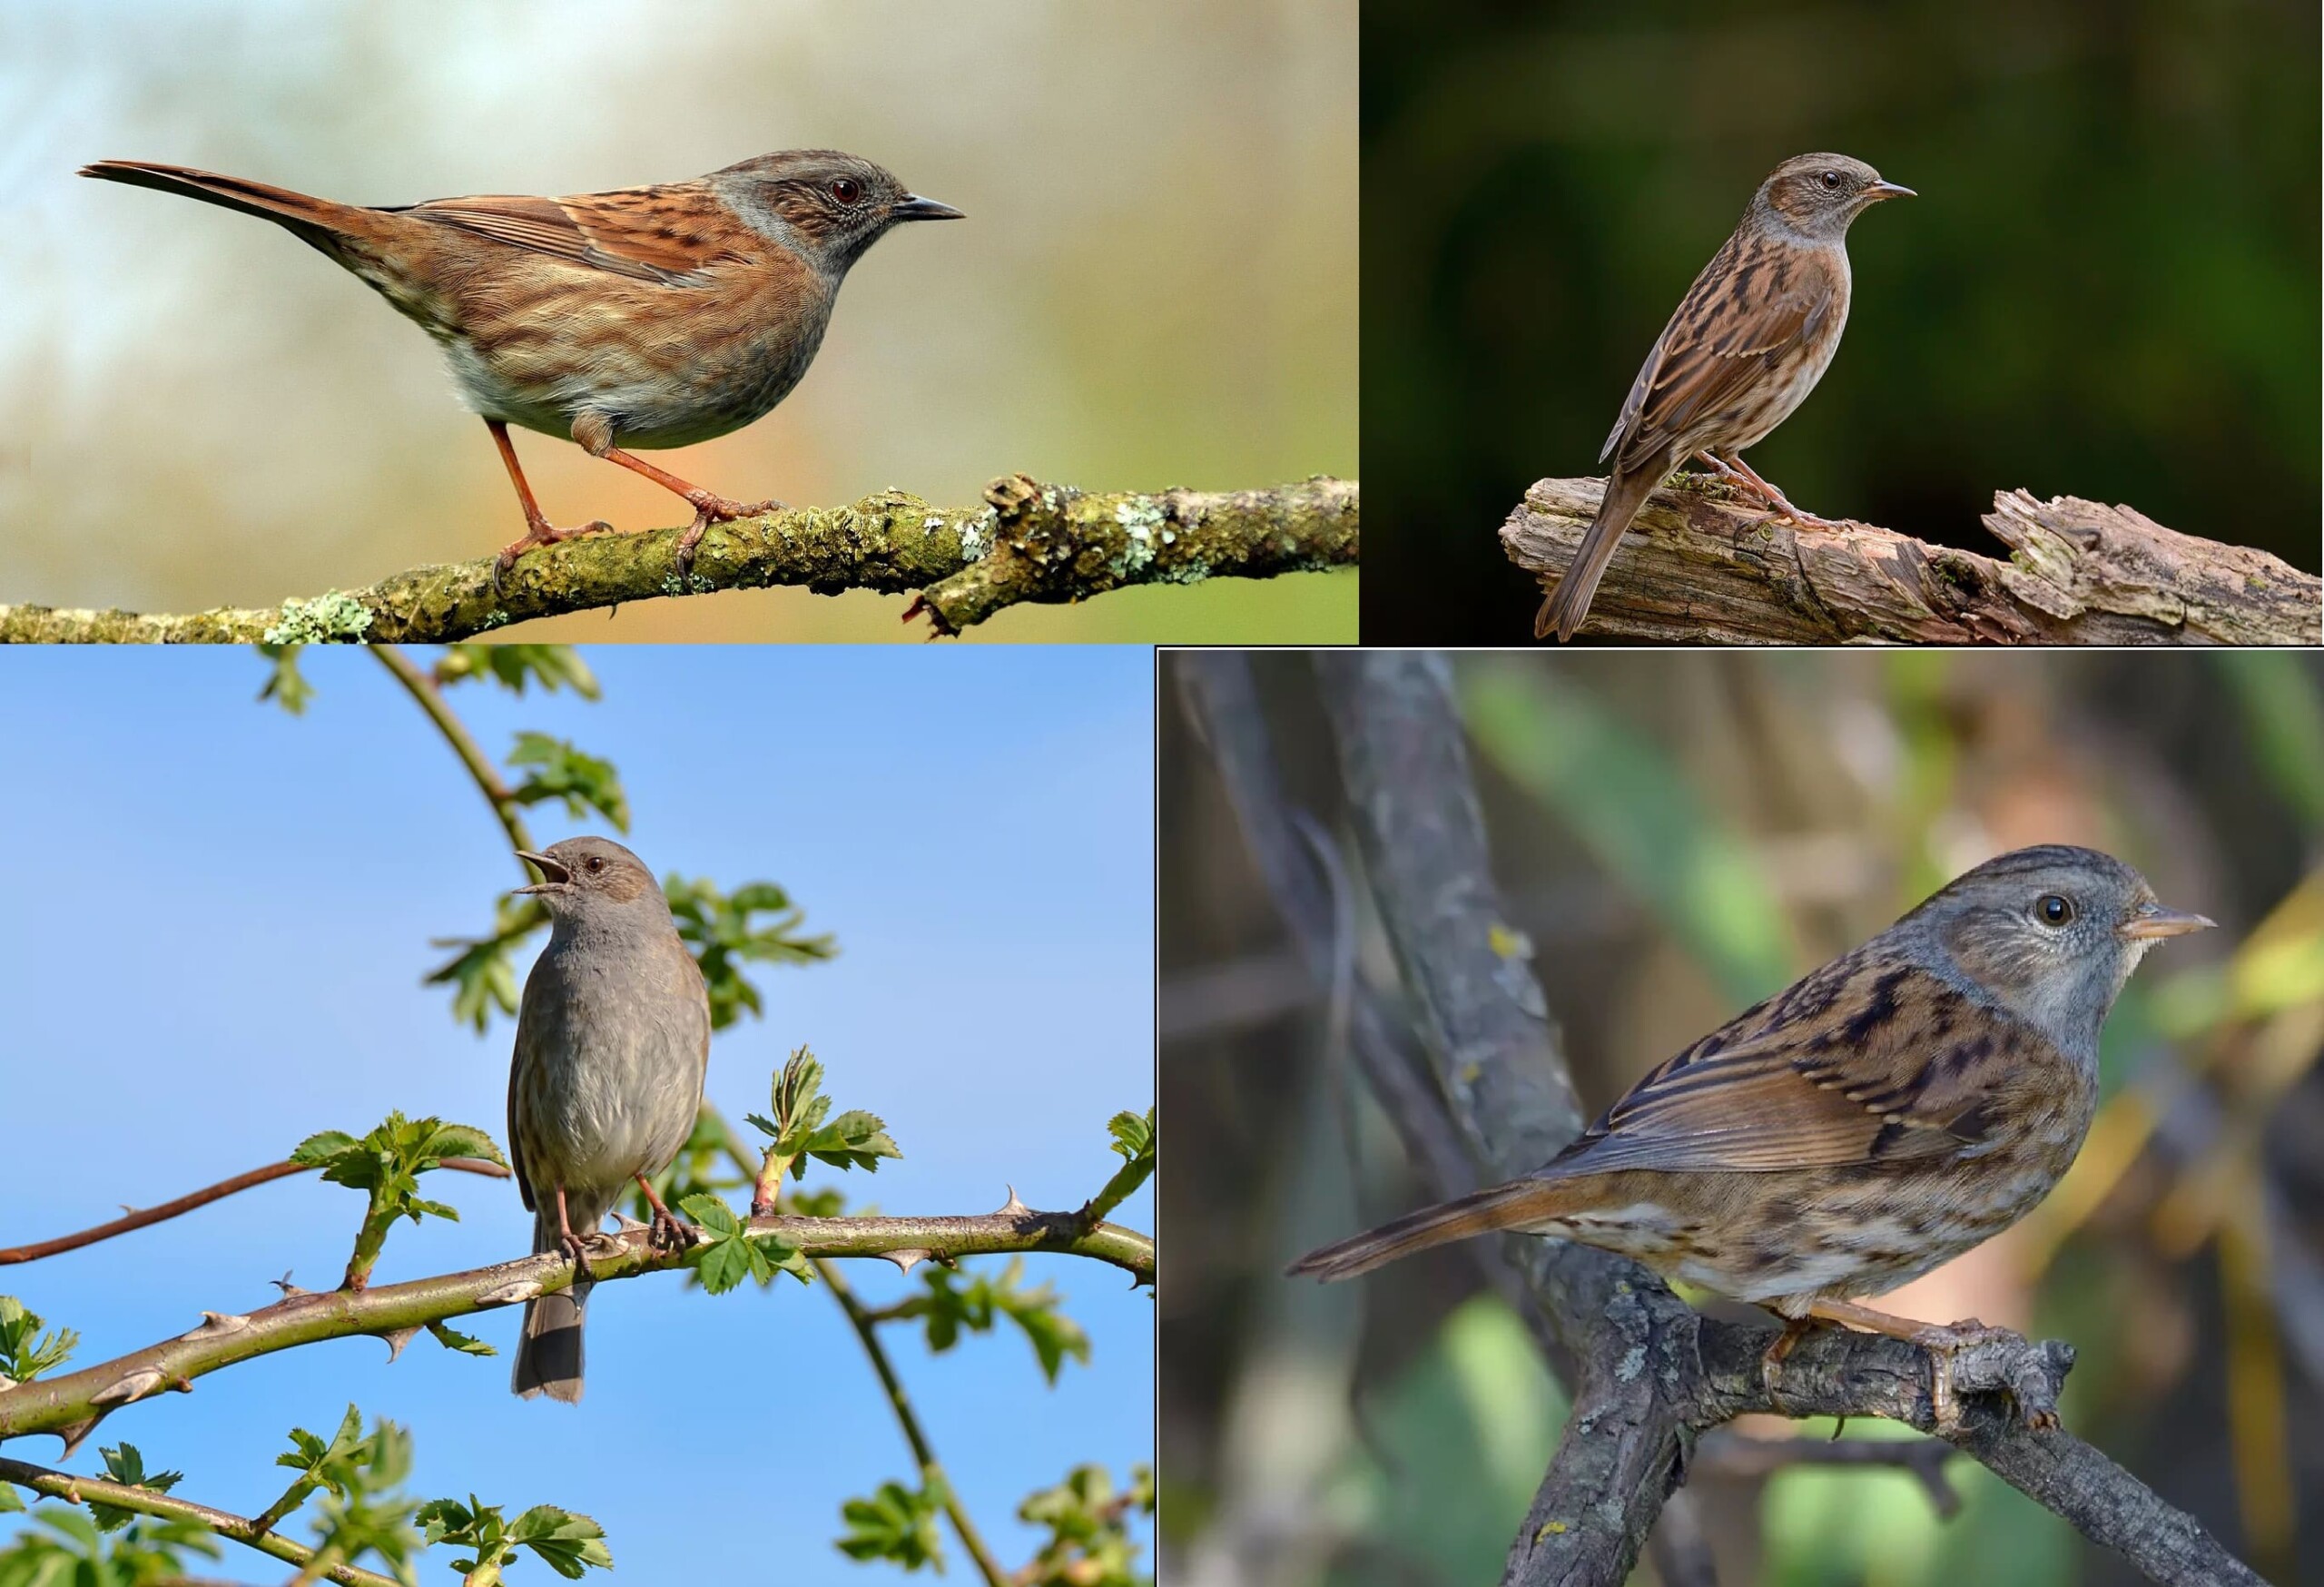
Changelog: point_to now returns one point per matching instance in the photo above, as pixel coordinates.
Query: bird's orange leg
(1733, 466)
(575, 1245)
(538, 531)
(671, 1232)
(709, 507)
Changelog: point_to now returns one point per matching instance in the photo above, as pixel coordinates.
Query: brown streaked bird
(646, 317)
(1884, 1113)
(1750, 340)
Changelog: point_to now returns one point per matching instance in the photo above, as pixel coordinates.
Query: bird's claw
(669, 1232)
(710, 509)
(540, 535)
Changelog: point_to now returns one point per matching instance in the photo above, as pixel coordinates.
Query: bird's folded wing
(1864, 1081)
(665, 234)
(1738, 322)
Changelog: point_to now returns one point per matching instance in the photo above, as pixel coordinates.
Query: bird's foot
(541, 533)
(1740, 474)
(577, 1247)
(670, 1233)
(1795, 1329)
(1945, 1343)
(709, 508)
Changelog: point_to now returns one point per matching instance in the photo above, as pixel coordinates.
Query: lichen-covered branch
(1648, 1373)
(72, 1404)
(241, 1529)
(1704, 566)
(1025, 542)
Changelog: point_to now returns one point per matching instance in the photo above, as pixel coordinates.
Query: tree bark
(1703, 564)
(1025, 542)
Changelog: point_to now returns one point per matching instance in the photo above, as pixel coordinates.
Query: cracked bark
(1700, 566)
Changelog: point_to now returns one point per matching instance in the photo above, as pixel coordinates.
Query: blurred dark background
(1676, 835)
(2108, 287)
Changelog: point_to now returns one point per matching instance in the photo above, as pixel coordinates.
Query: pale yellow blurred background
(1156, 284)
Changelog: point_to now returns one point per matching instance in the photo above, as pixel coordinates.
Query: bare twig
(239, 1529)
(1704, 566)
(1027, 542)
(201, 1198)
(427, 693)
(1649, 1373)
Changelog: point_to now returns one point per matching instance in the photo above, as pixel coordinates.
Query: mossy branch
(72, 1404)
(1025, 542)
(1704, 566)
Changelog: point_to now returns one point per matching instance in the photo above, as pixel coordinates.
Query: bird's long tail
(1626, 492)
(548, 1351)
(1522, 1204)
(319, 221)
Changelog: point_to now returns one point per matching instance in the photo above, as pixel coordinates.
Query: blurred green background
(1677, 835)
(2108, 287)
(1156, 284)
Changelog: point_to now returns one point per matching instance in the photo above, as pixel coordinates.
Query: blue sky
(219, 919)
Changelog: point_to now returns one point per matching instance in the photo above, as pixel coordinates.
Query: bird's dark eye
(1832, 180)
(2053, 910)
(847, 189)
(595, 863)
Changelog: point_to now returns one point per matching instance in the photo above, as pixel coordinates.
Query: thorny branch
(72, 1404)
(1650, 1375)
(1027, 542)
(1701, 566)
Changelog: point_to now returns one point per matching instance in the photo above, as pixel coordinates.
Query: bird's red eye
(847, 189)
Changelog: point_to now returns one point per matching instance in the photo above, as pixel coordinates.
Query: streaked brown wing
(1884, 1076)
(665, 235)
(1749, 308)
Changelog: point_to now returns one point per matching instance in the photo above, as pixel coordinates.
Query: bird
(1748, 344)
(1884, 1113)
(645, 317)
(613, 1040)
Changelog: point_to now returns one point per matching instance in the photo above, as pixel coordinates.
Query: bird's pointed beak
(913, 207)
(1886, 190)
(2153, 920)
(553, 874)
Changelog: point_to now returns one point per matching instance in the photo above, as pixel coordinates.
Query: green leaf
(569, 1543)
(1088, 1521)
(732, 1253)
(483, 974)
(453, 1339)
(25, 1351)
(512, 666)
(953, 1303)
(896, 1523)
(855, 1140)
(1133, 1135)
(126, 1466)
(8, 1500)
(723, 933)
(285, 685)
(556, 770)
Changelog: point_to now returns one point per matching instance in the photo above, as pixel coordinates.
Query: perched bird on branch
(613, 1039)
(1750, 340)
(1884, 1113)
(645, 317)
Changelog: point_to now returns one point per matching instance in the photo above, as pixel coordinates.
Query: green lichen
(334, 617)
(1141, 522)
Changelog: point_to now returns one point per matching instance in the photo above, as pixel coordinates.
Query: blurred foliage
(1673, 834)
(2107, 286)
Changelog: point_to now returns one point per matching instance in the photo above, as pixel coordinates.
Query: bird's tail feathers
(1520, 1203)
(1568, 604)
(549, 1350)
(317, 221)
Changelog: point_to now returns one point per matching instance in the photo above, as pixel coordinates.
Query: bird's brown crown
(1818, 194)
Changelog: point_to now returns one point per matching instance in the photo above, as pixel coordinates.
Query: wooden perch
(1703, 564)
